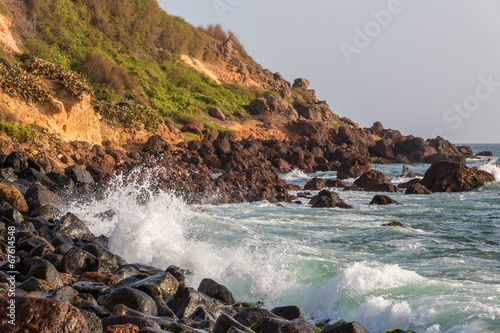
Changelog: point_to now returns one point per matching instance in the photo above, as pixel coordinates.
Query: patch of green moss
(3, 8)
(18, 133)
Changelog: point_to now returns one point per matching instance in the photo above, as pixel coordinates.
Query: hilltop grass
(129, 51)
(18, 133)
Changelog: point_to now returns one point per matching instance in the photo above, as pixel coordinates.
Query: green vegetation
(128, 51)
(3, 8)
(18, 133)
(15, 81)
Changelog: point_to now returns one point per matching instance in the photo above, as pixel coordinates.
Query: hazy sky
(425, 67)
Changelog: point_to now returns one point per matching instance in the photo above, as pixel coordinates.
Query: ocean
(438, 273)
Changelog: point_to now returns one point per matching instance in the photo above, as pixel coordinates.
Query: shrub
(18, 133)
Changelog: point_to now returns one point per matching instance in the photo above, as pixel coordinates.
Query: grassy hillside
(129, 52)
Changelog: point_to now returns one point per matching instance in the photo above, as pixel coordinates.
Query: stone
(79, 175)
(71, 226)
(328, 199)
(95, 289)
(290, 312)
(216, 113)
(44, 270)
(335, 183)
(93, 321)
(11, 194)
(126, 324)
(37, 197)
(417, 188)
(250, 315)
(132, 298)
(187, 300)
(352, 327)
(225, 322)
(445, 176)
(272, 105)
(76, 261)
(354, 168)
(383, 200)
(16, 162)
(43, 315)
(161, 284)
(213, 289)
(301, 83)
(393, 224)
(375, 181)
(35, 176)
(315, 184)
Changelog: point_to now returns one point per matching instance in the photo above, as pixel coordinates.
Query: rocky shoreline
(62, 278)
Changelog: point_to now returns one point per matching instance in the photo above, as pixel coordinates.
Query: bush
(18, 133)
(16, 82)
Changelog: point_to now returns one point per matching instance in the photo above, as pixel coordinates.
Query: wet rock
(37, 197)
(354, 168)
(375, 181)
(187, 300)
(163, 309)
(282, 165)
(161, 284)
(72, 227)
(335, 183)
(408, 183)
(225, 322)
(417, 188)
(485, 153)
(328, 199)
(393, 224)
(93, 321)
(290, 312)
(122, 310)
(107, 259)
(352, 327)
(76, 261)
(132, 298)
(95, 289)
(32, 284)
(13, 215)
(65, 292)
(383, 200)
(315, 184)
(44, 314)
(8, 174)
(276, 325)
(11, 194)
(126, 324)
(250, 315)
(49, 212)
(100, 170)
(213, 289)
(104, 278)
(16, 162)
(44, 270)
(444, 176)
(79, 175)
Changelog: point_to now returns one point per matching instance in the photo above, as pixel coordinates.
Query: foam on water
(258, 252)
(295, 174)
(493, 168)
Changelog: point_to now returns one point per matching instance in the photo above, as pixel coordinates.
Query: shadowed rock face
(444, 176)
(376, 181)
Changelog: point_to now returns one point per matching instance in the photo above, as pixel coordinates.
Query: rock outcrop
(445, 176)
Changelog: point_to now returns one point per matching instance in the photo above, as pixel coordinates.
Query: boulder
(414, 149)
(335, 183)
(225, 322)
(354, 168)
(315, 184)
(417, 188)
(216, 113)
(289, 312)
(249, 316)
(272, 105)
(301, 83)
(79, 175)
(71, 226)
(16, 162)
(485, 153)
(375, 181)
(328, 199)
(37, 197)
(132, 298)
(445, 176)
(11, 194)
(33, 175)
(187, 300)
(213, 289)
(343, 327)
(44, 270)
(42, 315)
(126, 324)
(383, 200)
(76, 261)
(95, 289)
(161, 284)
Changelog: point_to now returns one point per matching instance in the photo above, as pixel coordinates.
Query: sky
(424, 67)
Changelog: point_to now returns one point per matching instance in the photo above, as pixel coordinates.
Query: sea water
(438, 273)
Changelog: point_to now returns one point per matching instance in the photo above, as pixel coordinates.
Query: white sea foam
(295, 174)
(493, 168)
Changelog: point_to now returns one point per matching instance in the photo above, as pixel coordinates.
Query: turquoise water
(439, 273)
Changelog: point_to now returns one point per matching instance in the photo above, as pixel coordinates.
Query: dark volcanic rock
(71, 226)
(315, 184)
(352, 327)
(44, 270)
(375, 181)
(79, 175)
(132, 298)
(485, 153)
(444, 176)
(353, 168)
(77, 261)
(383, 200)
(225, 322)
(187, 300)
(161, 284)
(249, 316)
(213, 289)
(393, 224)
(37, 197)
(328, 199)
(417, 188)
(290, 312)
(335, 183)
(44, 314)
